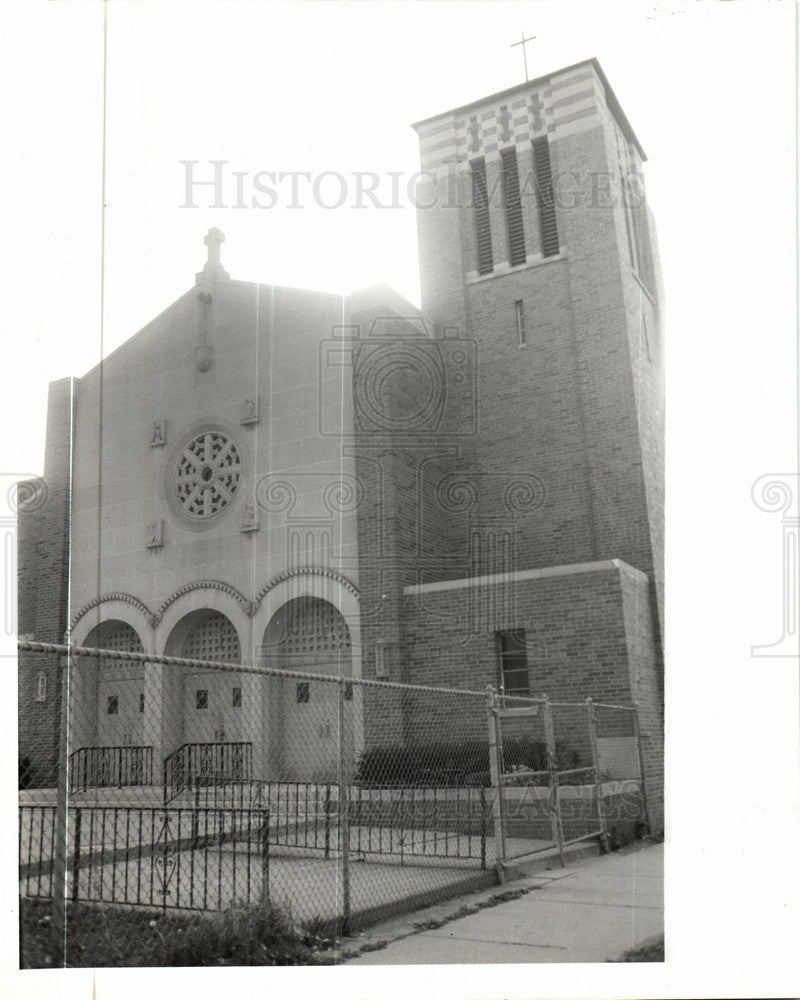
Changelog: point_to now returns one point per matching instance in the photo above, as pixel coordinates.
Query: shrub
(102, 936)
(447, 764)
(242, 935)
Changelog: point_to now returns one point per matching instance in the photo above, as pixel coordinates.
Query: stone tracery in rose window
(208, 474)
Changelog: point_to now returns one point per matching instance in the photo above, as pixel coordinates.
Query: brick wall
(589, 633)
(43, 567)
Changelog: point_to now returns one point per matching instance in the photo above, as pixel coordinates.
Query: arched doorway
(307, 634)
(213, 700)
(107, 701)
(119, 697)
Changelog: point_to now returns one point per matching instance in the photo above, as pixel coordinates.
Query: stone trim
(127, 598)
(247, 606)
(521, 575)
(309, 571)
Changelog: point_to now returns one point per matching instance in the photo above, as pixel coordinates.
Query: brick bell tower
(536, 244)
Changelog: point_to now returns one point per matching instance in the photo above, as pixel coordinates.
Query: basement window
(201, 698)
(303, 693)
(112, 705)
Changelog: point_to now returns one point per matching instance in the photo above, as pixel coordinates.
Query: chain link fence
(193, 785)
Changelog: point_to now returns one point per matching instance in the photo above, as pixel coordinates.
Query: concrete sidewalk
(592, 912)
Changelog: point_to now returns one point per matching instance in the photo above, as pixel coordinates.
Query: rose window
(208, 474)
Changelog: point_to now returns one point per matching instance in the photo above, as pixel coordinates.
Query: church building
(465, 494)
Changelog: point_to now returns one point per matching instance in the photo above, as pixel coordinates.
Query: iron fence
(104, 767)
(332, 798)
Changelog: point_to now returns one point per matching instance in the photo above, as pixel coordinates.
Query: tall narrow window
(633, 219)
(626, 199)
(548, 224)
(513, 662)
(41, 686)
(483, 229)
(516, 230)
(519, 311)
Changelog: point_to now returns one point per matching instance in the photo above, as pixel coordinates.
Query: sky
(334, 87)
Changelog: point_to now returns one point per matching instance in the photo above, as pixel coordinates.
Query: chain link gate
(562, 773)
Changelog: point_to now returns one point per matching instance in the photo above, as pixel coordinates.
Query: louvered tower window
(516, 231)
(483, 229)
(544, 196)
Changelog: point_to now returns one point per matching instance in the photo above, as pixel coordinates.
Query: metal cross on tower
(524, 53)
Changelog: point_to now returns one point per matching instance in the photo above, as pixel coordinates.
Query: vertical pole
(327, 821)
(495, 749)
(483, 826)
(61, 827)
(264, 846)
(552, 767)
(642, 777)
(344, 813)
(195, 818)
(76, 855)
(591, 721)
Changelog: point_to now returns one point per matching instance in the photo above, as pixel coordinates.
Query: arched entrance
(119, 687)
(307, 634)
(107, 702)
(212, 701)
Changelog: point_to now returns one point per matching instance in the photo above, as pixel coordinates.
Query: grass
(649, 951)
(102, 936)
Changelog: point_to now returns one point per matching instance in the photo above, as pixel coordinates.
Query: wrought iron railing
(110, 767)
(198, 765)
(449, 822)
(186, 859)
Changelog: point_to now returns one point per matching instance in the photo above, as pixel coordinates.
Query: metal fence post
(483, 826)
(344, 812)
(642, 777)
(552, 767)
(598, 784)
(327, 809)
(264, 847)
(495, 771)
(76, 855)
(60, 833)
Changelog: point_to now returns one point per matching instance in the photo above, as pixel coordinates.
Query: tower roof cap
(611, 99)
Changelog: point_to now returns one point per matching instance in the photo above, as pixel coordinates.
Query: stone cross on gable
(214, 240)
(212, 269)
(205, 284)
